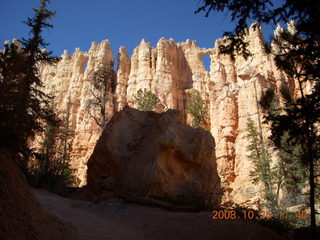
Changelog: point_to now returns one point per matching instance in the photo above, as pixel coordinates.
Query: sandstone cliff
(231, 90)
(70, 81)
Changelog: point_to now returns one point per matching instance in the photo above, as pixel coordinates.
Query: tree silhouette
(51, 168)
(103, 85)
(23, 106)
(298, 57)
(304, 13)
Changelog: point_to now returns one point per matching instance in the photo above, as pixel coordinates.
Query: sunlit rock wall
(171, 70)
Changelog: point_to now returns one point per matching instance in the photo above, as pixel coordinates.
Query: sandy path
(116, 220)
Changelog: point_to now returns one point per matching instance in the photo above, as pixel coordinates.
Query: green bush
(197, 108)
(146, 100)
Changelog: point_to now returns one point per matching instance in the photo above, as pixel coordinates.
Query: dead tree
(102, 89)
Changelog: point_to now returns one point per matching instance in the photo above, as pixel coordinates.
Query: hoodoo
(171, 70)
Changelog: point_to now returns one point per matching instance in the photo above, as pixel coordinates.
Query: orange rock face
(155, 154)
(70, 82)
(230, 89)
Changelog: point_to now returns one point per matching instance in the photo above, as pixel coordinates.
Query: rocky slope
(21, 216)
(171, 70)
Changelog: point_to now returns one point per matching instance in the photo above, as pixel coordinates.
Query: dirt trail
(116, 220)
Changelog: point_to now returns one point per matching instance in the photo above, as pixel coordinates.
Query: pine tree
(262, 171)
(295, 133)
(145, 100)
(293, 170)
(23, 106)
(299, 117)
(285, 173)
(45, 166)
(51, 168)
(298, 58)
(67, 135)
(197, 108)
(102, 88)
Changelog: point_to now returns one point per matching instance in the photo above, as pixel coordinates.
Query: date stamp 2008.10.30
(259, 215)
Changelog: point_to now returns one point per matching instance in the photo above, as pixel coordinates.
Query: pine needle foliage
(261, 162)
(197, 108)
(145, 100)
(51, 168)
(298, 58)
(23, 105)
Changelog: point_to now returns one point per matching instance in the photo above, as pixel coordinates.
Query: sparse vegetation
(102, 89)
(286, 174)
(145, 100)
(51, 167)
(197, 108)
(262, 171)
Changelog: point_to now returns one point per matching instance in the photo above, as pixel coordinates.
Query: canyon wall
(171, 70)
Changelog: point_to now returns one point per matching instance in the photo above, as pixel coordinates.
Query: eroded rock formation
(71, 82)
(155, 155)
(171, 70)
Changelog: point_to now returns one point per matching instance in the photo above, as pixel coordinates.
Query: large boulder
(148, 154)
(21, 216)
